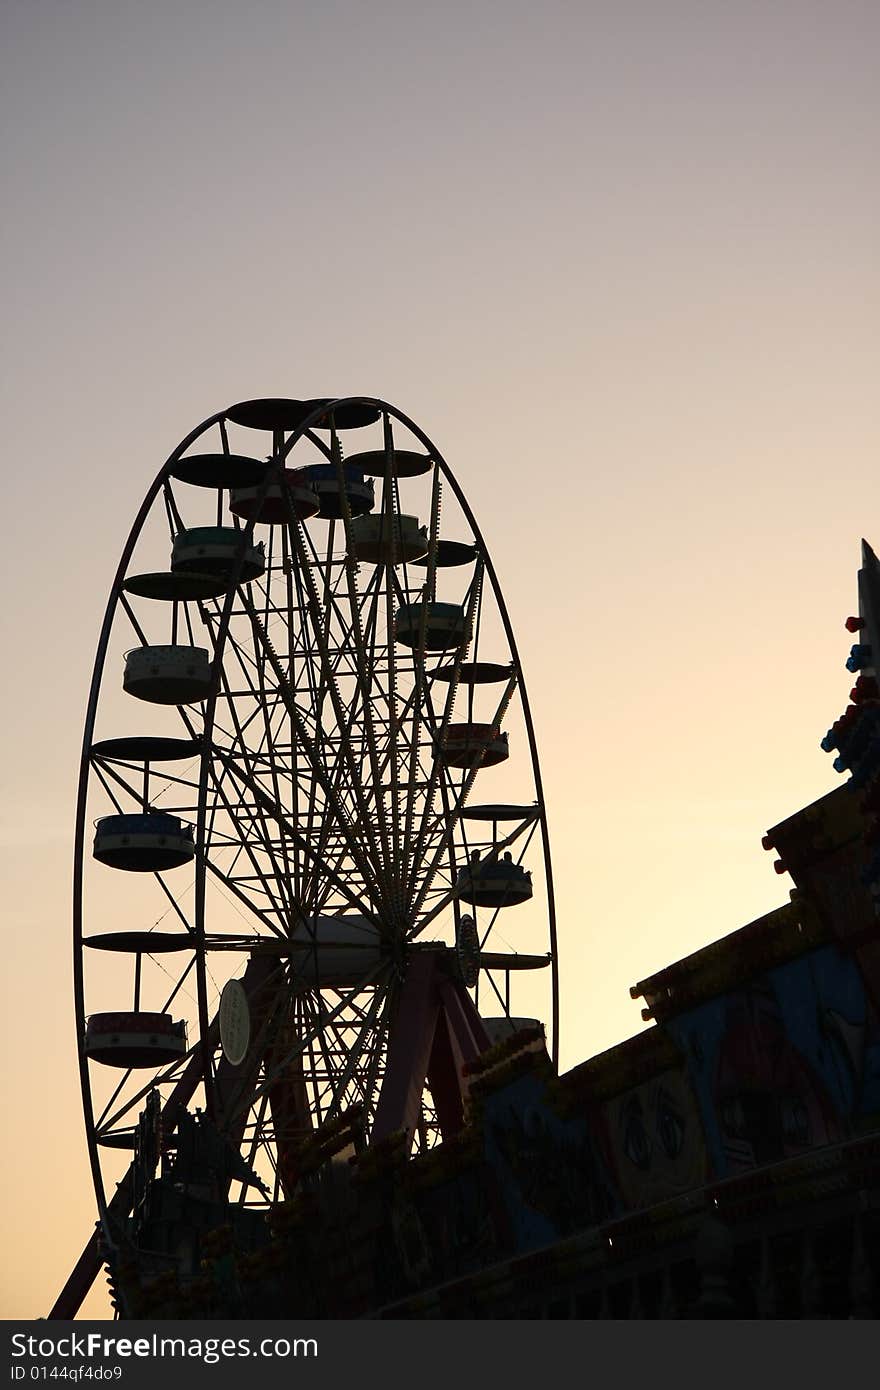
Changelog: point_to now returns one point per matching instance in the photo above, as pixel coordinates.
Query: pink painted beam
(409, 1049)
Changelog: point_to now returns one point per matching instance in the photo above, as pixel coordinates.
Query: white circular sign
(235, 1022)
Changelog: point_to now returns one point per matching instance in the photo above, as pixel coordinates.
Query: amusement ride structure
(316, 971)
(292, 911)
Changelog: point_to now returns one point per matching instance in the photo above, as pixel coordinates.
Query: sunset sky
(619, 260)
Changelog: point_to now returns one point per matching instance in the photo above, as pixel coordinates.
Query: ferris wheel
(312, 871)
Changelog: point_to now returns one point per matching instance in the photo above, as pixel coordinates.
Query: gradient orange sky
(617, 259)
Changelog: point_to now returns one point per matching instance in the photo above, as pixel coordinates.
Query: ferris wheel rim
(279, 457)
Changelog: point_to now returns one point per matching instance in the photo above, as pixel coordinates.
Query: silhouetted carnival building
(724, 1162)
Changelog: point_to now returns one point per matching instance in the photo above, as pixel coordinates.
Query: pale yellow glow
(619, 261)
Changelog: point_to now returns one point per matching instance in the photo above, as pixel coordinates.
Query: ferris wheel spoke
(113, 770)
(270, 557)
(494, 915)
(368, 1038)
(242, 845)
(233, 886)
(325, 884)
(365, 673)
(421, 685)
(242, 744)
(447, 896)
(312, 1008)
(267, 877)
(256, 1142)
(414, 706)
(440, 735)
(334, 594)
(338, 771)
(302, 1028)
(132, 618)
(503, 999)
(424, 717)
(172, 1074)
(451, 820)
(100, 1123)
(335, 765)
(293, 588)
(320, 886)
(314, 610)
(374, 1070)
(105, 776)
(318, 771)
(287, 904)
(277, 813)
(249, 886)
(371, 977)
(294, 904)
(393, 755)
(187, 621)
(326, 613)
(172, 511)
